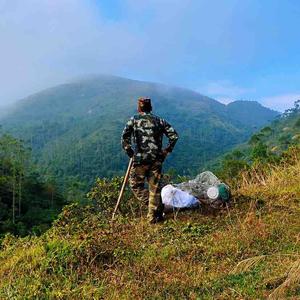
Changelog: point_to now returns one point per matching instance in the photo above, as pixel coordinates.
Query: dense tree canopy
(74, 129)
(28, 203)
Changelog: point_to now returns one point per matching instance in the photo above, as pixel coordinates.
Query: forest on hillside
(74, 129)
(28, 202)
(31, 200)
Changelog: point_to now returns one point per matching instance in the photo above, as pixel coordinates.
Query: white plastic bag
(175, 197)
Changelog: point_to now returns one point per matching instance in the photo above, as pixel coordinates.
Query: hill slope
(74, 129)
(250, 251)
(249, 113)
(282, 132)
(266, 145)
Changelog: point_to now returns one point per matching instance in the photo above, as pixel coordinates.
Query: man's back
(147, 131)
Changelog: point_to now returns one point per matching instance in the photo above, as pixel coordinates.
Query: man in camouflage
(147, 131)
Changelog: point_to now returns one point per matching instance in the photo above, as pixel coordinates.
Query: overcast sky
(226, 49)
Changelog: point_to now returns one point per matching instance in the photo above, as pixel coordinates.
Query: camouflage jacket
(147, 131)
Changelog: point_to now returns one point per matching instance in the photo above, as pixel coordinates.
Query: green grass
(249, 251)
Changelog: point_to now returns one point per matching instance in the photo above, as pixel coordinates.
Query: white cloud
(224, 100)
(224, 87)
(46, 42)
(225, 91)
(281, 102)
(187, 43)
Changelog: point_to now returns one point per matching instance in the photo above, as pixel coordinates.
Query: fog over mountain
(241, 54)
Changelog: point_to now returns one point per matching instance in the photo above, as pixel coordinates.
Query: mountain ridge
(105, 77)
(75, 128)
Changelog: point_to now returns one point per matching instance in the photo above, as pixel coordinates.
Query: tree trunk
(14, 200)
(20, 195)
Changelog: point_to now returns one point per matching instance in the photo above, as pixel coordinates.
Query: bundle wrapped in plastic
(174, 197)
(199, 186)
(205, 188)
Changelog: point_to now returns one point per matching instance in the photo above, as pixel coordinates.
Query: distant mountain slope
(268, 145)
(75, 128)
(282, 133)
(250, 113)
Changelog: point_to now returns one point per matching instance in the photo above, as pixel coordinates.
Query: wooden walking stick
(123, 188)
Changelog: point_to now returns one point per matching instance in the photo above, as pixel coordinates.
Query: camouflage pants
(152, 173)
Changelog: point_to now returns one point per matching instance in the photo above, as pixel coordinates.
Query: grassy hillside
(74, 129)
(266, 145)
(248, 251)
(283, 132)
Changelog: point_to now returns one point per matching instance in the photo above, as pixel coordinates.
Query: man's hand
(129, 152)
(165, 153)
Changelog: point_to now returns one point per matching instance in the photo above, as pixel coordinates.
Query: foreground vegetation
(250, 250)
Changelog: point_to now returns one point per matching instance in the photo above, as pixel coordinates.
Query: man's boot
(158, 215)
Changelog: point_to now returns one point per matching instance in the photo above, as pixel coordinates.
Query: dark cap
(144, 104)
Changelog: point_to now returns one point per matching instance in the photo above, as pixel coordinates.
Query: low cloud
(281, 102)
(46, 42)
(187, 43)
(224, 100)
(225, 91)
